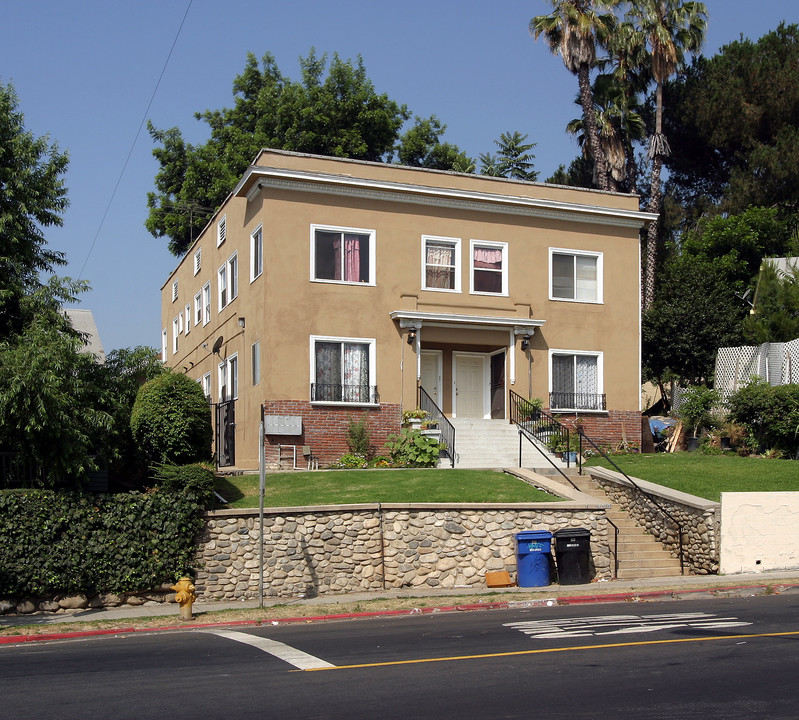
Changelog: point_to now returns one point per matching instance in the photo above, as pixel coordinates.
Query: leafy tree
(32, 197)
(769, 414)
(574, 29)
(339, 114)
(671, 28)
(513, 160)
(171, 420)
(733, 126)
(51, 414)
(578, 174)
(775, 315)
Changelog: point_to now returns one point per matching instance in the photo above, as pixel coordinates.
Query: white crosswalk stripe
(297, 658)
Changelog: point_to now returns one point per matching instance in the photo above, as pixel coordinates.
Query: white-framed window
(164, 345)
(256, 362)
(206, 384)
(344, 255)
(441, 263)
(256, 253)
(343, 370)
(175, 333)
(198, 260)
(576, 380)
(174, 291)
(221, 230)
(206, 303)
(488, 273)
(575, 275)
(187, 313)
(228, 281)
(229, 378)
(198, 308)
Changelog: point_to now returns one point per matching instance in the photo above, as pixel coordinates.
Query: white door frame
(439, 358)
(486, 392)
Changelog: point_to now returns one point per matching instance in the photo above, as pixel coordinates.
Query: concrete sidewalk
(680, 587)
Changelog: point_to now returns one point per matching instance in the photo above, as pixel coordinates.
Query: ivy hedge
(66, 542)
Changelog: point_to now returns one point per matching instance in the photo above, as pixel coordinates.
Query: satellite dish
(217, 345)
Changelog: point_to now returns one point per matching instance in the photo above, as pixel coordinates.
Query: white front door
(431, 374)
(471, 386)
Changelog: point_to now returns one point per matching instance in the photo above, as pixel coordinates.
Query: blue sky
(86, 70)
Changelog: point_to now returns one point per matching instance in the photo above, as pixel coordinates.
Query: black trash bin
(573, 556)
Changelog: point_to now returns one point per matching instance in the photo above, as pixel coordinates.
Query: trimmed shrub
(769, 414)
(64, 542)
(197, 481)
(171, 420)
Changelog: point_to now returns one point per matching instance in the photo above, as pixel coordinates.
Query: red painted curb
(503, 605)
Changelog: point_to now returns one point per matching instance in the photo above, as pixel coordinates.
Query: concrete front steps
(493, 444)
(640, 554)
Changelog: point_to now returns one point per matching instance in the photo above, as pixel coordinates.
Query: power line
(135, 139)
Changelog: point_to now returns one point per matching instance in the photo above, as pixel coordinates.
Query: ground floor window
(576, 381)
(342, 370)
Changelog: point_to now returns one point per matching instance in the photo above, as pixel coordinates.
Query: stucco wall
(759, 531)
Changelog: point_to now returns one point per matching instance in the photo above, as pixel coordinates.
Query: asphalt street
(732, 658)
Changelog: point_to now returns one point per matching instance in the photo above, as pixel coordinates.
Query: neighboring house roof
(83, 322)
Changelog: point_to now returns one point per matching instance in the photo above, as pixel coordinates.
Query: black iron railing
(435, 414)
(577, 401)
(325, 392)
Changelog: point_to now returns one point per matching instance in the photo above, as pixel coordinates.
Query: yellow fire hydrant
(184, 596)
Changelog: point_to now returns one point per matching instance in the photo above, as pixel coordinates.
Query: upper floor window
(174, 291)
(175, 334)
(489, 271)
(228, 281)
(256, 253)
(198, 260)
(188, 318)
(441, 259)
(206, 303)
(342, 370)
(163, 345)
(206, 383)
(342, 255)
(198, 308)
(229, 378)
(256, 362)
(221, 230)
(575, 275)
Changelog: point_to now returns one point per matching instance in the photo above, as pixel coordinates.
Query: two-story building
(325, 290)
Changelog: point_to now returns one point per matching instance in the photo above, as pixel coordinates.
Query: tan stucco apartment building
(325, 290)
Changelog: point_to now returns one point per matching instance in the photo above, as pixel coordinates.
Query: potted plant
(414, 418)
(529, 409)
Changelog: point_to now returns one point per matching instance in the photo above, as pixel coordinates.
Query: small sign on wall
(282, 425)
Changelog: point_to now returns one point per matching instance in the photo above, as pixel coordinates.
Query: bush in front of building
(171, 420)
(410, 448)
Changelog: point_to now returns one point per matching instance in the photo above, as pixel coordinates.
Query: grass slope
(707, 476)
(334, 487)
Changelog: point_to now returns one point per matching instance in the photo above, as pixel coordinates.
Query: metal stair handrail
(447, 429)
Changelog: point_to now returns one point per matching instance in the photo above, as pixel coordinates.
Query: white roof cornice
(413, 318)
(258, 177)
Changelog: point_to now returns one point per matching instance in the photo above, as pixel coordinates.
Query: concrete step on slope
(493, 444)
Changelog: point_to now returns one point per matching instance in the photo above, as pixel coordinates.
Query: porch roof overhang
(417, 320)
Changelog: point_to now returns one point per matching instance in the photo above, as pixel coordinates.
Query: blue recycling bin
(533, 558)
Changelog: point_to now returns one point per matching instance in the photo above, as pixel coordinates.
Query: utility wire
(135, 139)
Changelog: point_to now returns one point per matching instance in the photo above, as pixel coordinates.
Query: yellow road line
(550, 650)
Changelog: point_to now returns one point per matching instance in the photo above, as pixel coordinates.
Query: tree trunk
(658, 148)
(591, 131)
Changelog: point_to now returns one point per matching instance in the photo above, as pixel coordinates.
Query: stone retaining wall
(308, 551)
(700, 519)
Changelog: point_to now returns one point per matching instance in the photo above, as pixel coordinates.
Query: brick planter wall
(324, 428)
(607, 429)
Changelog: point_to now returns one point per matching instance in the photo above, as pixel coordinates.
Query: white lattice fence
(776, 363)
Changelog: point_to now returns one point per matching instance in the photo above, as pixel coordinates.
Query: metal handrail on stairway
(435, 414)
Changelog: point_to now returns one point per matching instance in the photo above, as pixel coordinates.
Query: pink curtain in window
(352, 258)
(488, 258)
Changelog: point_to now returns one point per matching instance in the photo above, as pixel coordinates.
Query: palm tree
(671, 27)
(574, 29)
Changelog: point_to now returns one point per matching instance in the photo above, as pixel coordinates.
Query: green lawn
(333, 487)
(707, 476)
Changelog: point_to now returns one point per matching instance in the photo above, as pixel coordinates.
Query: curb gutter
(716, 592)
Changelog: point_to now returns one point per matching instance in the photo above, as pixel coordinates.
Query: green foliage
(33, 197)
(513, 160)
(195, 481)
(769, 414)
(351, 461)
(171, 420)
(75, 542)
(775, 315)
(529, 408)
(696, 405)
(51, 408)
(732, 125)
(410, 448)
(339, 114)
(358, 437)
